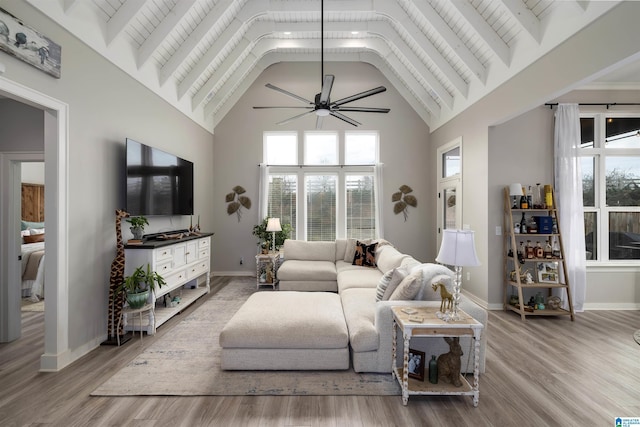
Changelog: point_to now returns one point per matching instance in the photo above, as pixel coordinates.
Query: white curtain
(263, 196)
(377, 188)
(568, 184)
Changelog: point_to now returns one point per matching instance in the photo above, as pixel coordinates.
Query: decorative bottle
(539, 250)
(533, 226)
(523, 201)
(521, 253)
(548, 250)
(555, 249)
(529, 198)
(530, 251)
(537, 197)
(548, 197)
(433, 370)
(523, 225)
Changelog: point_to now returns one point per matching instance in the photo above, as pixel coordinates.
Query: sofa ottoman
(286, 330)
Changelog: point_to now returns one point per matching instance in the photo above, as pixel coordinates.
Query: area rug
(186, 362)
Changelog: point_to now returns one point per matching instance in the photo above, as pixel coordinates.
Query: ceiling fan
(322, 105)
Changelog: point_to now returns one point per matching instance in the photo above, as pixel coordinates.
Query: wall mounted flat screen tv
(158, 183)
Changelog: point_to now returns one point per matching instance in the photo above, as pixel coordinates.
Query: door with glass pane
(449, 187)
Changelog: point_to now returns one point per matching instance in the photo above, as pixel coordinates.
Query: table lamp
(273, 225)
(515, 190)
(457, 249)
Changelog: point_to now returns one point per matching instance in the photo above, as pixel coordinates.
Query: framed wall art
(28, 45)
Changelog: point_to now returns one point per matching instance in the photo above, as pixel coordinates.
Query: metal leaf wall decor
(403, 200)
(236, 201)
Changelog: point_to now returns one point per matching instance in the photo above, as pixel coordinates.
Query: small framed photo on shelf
(416, 364)
(548, 272)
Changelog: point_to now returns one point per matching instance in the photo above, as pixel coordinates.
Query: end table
(431, 326)
(267, 269)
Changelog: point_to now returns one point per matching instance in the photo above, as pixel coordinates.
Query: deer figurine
(447, 298)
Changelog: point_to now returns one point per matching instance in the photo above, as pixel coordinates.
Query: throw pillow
(408, 288)
(365, 255)
(350, 250)
(399, 273)
(382, 284)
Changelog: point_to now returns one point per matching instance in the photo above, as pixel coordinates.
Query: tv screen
(158, 183)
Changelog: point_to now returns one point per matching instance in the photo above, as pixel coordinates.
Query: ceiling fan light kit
(322, 105)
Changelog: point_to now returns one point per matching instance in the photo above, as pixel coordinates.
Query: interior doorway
(55, 115)
(449, 169)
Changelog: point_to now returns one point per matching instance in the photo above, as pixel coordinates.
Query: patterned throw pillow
(382, 284)
(365, 255)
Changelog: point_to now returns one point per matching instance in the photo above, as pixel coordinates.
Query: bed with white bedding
(33, 270)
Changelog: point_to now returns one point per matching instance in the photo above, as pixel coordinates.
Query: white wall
(33, 173)
(105, 107)
(238, 150)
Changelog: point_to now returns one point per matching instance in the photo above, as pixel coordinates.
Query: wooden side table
(128, 311)
(267, 264)
(432, 326)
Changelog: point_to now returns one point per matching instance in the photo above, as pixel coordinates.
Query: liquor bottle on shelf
(529, 198)
(523, 200)
(548, 250)
(539, 250)
(523, 224)
(537, 197)
(532, 226)
(548, 197)
(521, 253)
(555, 249)
(530, 250)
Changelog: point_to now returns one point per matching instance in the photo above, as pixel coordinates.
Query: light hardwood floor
(545, 371)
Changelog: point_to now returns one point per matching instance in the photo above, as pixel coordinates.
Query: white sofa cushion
(298, 270)
(287, 320)
(432, 273)
(362, 277)
(388, 258)
(382, 284)
(398, 275)
(359, 305)
(309, 251)
(341, 247)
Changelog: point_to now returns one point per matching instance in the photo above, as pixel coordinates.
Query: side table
(432, 326)
(128, 311)
(267, 269)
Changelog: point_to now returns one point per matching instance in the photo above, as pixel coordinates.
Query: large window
(611, 186)
(332, 193)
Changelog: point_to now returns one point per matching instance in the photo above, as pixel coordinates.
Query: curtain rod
(317, 166)
(592, 104)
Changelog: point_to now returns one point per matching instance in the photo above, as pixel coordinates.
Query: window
(332, 194)
(611, 186)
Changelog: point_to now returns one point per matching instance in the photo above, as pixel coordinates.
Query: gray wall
(481, 126)
(21, 127)
(105, 107)
(404, 141)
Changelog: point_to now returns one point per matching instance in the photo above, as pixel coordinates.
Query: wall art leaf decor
(236, 201)
(403, 200)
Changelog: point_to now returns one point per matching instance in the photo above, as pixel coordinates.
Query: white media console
(184, 264)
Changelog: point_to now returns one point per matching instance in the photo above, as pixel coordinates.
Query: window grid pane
(624, 235)
(451, 163)
(623, 180)
(591, 235)
(281, 148)
(282, 201)
(361, 217)
(588, 181)
(360, 148)
(321, 207)
(320, 148)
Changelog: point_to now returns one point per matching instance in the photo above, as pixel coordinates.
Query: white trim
(56, 339)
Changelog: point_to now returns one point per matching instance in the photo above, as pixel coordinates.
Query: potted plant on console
(138, 285)
(137, 226)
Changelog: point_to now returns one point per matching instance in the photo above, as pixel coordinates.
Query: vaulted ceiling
(440, 55)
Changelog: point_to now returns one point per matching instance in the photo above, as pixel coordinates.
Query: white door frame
(56, 142)
(443, 184)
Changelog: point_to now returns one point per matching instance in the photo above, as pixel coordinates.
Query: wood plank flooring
(545, 371)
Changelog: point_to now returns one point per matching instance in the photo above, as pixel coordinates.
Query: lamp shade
(458, 249)
(273, 224)
(515, 190)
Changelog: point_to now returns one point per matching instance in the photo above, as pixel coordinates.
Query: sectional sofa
(314, 269)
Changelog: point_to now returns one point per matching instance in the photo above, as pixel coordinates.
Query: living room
(104, 106)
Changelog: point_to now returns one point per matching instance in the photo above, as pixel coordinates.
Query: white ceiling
(441, 55)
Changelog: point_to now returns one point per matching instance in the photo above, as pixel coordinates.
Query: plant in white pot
(137, 226)
(138, 285)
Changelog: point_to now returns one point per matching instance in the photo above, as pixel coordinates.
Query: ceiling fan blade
(319, 122)
(345, 118)
(327, 84)
(364, 109)
(290, 119)
(286, 92)
(262, 108)
(360, 95)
